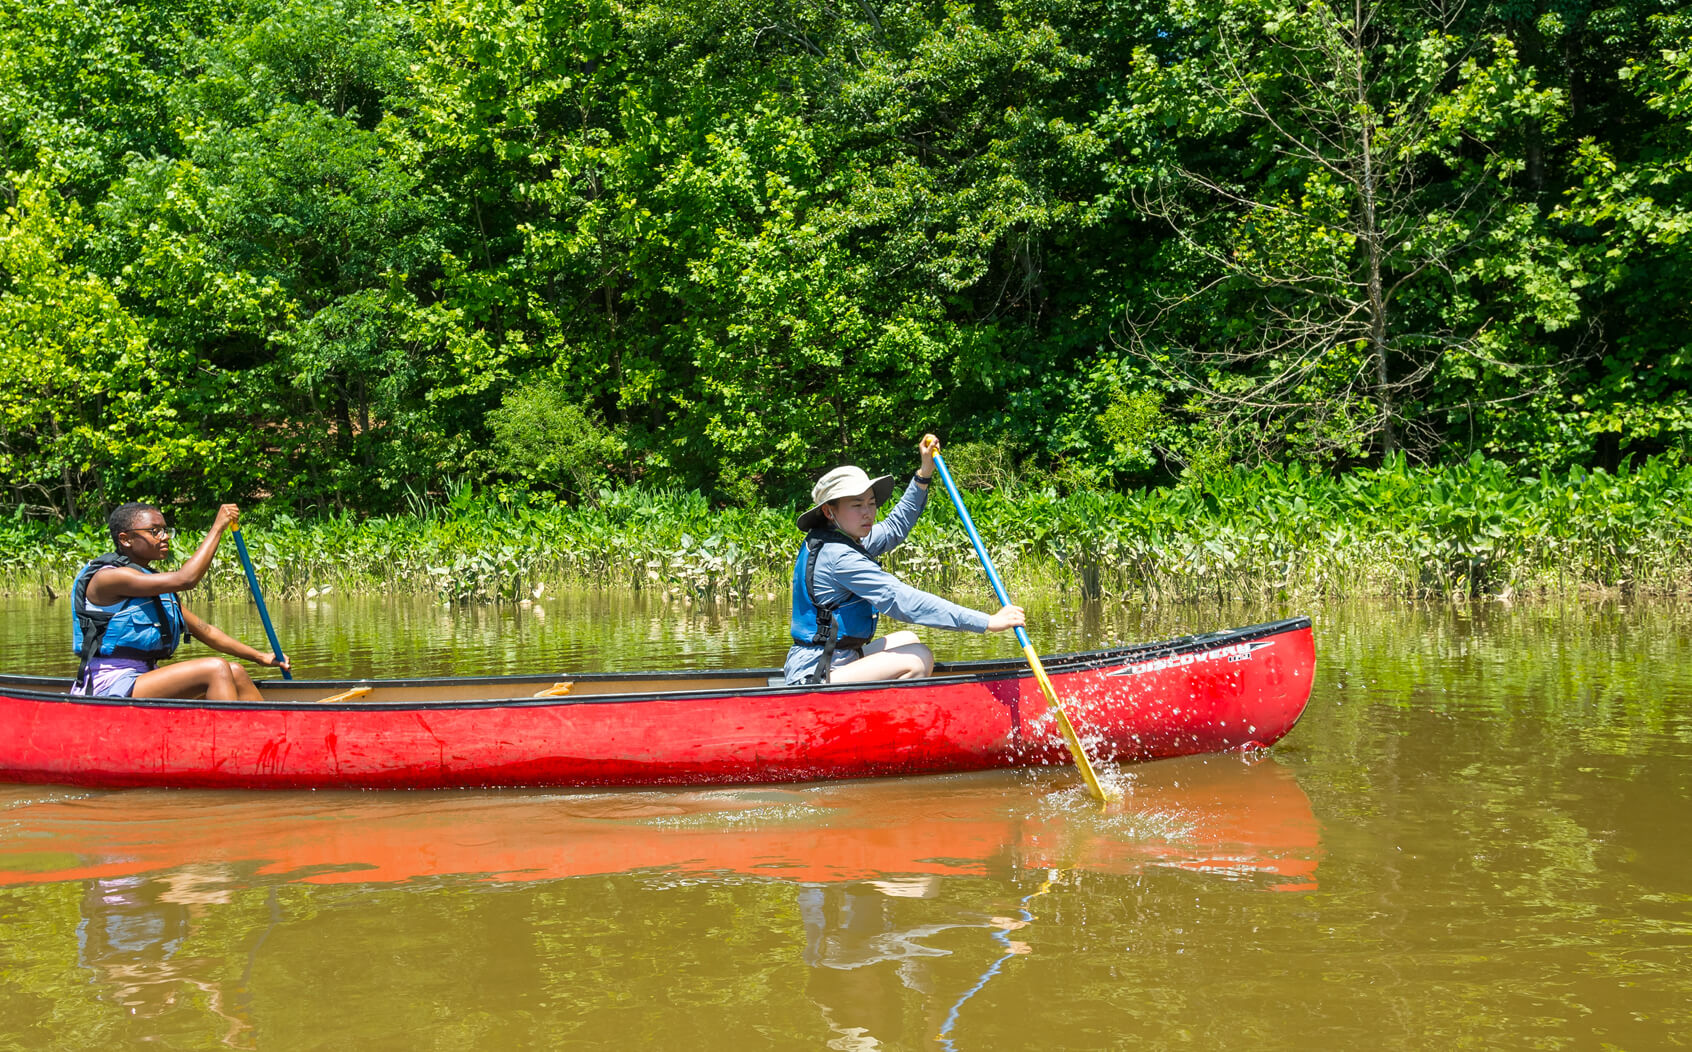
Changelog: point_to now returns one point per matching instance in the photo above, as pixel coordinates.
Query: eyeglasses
(160, 533)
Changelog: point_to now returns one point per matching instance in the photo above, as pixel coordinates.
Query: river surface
(1479, 836)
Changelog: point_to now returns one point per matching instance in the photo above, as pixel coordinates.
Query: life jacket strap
(95, 622)
(828, 626)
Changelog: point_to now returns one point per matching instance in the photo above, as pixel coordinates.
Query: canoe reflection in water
(871, 863)
(1220, 813)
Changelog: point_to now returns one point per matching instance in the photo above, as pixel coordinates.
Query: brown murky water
(1478, 837)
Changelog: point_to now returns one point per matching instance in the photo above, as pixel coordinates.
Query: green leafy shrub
(542, 438)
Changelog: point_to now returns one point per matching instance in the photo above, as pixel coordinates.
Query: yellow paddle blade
(346, 695)
(1084, 765)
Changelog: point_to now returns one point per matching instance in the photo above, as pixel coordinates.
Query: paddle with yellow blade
(1084, 765)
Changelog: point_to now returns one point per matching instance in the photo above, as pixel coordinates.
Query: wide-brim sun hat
(845, 481)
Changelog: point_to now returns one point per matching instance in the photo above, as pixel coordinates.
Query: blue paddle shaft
(258, 597)
(975, 539)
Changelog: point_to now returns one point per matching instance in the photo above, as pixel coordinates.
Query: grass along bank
(1468, 529)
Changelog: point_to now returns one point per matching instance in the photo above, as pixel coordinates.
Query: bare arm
(127, 582)
(219, 640)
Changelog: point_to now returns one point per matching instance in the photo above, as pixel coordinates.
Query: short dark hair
(125, 517)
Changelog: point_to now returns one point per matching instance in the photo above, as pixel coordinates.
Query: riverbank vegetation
(1470, 529)
(333, 254)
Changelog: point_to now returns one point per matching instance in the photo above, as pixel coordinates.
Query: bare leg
(245, 689)
(897, 655)
(212, 678)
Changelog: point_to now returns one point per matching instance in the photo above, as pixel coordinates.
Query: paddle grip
(258, 596)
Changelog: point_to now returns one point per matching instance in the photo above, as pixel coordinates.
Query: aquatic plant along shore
(1470, 529)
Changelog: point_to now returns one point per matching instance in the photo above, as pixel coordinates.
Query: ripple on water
(756, 815)
(35, 795)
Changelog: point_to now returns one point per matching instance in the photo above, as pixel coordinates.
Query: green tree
(1338, 180)
(62, 334)
(1629, 214)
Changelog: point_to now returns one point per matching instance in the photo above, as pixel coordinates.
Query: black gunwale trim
(968, 671)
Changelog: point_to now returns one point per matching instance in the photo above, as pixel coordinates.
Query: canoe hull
(1213, 693)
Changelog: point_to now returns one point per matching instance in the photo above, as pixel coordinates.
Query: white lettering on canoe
(1231, 652)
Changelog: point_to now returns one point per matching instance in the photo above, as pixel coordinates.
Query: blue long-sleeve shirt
(842, 572)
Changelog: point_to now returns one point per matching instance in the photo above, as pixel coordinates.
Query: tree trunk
(1372, 240)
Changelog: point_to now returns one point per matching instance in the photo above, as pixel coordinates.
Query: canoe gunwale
(979, 671)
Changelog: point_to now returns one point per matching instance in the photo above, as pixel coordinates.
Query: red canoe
(1221, 691)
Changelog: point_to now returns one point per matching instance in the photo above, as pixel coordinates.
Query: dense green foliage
(334, 252)
(1473, 528)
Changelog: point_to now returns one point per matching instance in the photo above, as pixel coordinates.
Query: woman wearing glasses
(127, 617)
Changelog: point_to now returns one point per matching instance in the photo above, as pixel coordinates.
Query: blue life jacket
(848, 622)
(148, 628)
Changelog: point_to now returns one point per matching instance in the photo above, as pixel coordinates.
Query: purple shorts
(113, 677)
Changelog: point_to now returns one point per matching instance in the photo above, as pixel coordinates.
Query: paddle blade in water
(1082, 763)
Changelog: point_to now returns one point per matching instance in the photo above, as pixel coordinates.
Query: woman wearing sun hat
(840, 590)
